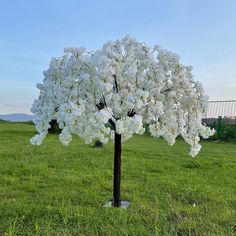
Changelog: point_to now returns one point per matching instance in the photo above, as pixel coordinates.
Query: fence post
(219, 127)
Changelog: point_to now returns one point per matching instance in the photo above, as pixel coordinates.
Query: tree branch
(116, 85)
(167, 90)
(131, 113)
(112, 123)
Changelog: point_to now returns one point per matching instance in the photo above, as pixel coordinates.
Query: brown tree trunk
(117, 171)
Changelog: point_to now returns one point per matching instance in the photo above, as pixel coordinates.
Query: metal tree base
(123, 205)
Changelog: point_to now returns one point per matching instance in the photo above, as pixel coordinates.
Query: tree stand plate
(123, 205)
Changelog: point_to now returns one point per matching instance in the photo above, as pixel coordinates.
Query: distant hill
(17, 117)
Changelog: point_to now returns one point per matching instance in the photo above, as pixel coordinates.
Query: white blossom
(121, 88)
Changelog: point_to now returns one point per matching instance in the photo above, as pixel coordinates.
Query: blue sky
(202, 32)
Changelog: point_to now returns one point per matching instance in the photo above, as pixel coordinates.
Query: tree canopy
(120, 88)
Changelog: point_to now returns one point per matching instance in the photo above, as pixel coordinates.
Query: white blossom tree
(114, 92)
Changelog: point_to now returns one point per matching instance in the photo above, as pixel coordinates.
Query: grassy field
(56, 190)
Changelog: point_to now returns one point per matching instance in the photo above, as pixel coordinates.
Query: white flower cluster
(127, 126)
(120, 88)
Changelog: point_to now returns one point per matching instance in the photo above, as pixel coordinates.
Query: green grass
(56, 190)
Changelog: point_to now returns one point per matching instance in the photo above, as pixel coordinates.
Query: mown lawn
(56, 190)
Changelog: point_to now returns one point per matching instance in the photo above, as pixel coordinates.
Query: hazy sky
(202, 32)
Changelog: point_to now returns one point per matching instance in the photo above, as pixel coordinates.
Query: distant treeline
(17, 122)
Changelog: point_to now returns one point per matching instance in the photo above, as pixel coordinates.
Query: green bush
(54, 129)
(227, 132)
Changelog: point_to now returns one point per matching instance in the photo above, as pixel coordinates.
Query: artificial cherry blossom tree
(114, 92)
